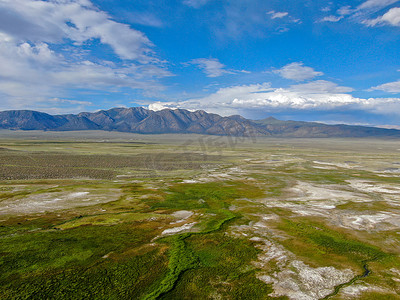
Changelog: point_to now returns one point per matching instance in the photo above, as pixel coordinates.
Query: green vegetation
(32, 263)
(124, 279)
(224, 269)
(180, 259)
(331, 242)
(116, 216)
(108, 219)
(182, 256)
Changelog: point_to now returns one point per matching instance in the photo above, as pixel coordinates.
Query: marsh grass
(314, 240)
(123, 279)
(224, 270)
(184, 254)
(53, 263)
(110, 219)
(116, 250)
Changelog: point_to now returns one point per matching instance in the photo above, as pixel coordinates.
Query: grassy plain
(104, 215)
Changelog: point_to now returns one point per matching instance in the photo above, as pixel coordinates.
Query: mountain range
(141, 120)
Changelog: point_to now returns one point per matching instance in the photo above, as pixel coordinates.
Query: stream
(354, 279)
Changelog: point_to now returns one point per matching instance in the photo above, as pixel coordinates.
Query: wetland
(105, 215)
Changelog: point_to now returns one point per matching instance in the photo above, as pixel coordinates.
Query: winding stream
(354, 279)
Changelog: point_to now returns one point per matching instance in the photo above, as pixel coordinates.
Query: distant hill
(313, 129)
(141, 120)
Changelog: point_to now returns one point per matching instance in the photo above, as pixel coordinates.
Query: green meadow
(102, 215)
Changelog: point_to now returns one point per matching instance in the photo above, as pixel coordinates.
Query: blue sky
(335, 62)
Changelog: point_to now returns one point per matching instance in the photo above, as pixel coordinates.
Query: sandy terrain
(40, 203)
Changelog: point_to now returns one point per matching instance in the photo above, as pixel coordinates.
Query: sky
(332, 62)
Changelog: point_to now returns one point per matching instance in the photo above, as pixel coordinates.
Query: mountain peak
(141, 120)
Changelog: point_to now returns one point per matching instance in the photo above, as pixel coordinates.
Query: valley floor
(100, 215)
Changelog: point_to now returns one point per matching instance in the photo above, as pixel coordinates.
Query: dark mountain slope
(140, 120)
(29, 120)
(313, 129)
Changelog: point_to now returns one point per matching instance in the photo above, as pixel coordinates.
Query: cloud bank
(45, 50)
(316, 96)
(392, 17)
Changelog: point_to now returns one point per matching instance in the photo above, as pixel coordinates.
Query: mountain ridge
(145, 121)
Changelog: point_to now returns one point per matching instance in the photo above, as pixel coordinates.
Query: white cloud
(33, 73)
(52, 21)
(195, 3)
(277, 15)
(57, 100)
(392, 17)
(363, 12)
(324, 97)
(297, 71)
(212, 67)
(156, 106)
(342, 11)
(375, 4)
(282, 99)
(218, 102)
(390, 87)
(331, 19)
(320, 86)
(42, 52)
(318, 95)
(345, 10)
(36, 65)
(368, 8)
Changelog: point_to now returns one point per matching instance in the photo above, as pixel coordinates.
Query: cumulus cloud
(392, 17)
(43, 52)
(277, 15)
(34, 73)
(212, 67)
(52, 21)
(297, 71)
(218, 102)
(363, 12)
(390, 87)
(319, 96)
